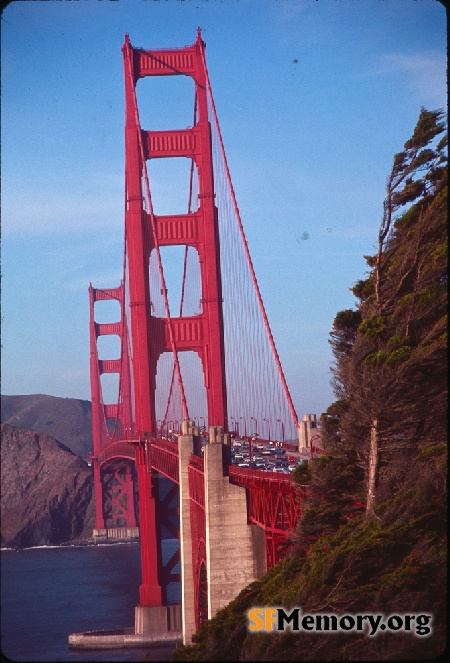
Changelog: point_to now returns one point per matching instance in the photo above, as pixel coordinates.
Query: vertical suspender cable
(247, 253)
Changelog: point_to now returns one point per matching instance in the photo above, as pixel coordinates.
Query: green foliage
(344, 331)
(408, 217)
(390, 379)
(330, 423)
(301, 474)
(371, 260)
(375, 358)
(398, 356)
(435, 451)
(424, 157)
(429, 125)
(441, 252)
(372, 326)
(410, 192)
(397, 341)
(347, 320)
(428, 295)
(363, 288)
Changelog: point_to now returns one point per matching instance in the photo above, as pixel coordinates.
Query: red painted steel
(273, 503)
(201, 333)
(105, 445)
(168, 517)
(150, 335)
(119, 489)
(164, 459)
(118, 449)
(198, 535)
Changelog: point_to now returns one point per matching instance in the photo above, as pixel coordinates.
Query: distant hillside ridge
(46, 491)
(68, 420)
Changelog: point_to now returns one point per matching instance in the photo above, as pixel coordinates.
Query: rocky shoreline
(46, 491)
(75, 543)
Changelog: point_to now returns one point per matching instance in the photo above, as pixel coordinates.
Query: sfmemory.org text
(276, 619)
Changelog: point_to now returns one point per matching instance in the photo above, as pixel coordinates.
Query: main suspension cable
(246, 249)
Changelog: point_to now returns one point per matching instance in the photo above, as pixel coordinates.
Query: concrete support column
(235, 550)
(157, 621)
(185, 450)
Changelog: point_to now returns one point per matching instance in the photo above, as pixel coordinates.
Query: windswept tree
(415, 175)
(390, 354)
(372, 535)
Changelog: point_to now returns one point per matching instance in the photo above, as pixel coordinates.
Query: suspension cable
(245, 245)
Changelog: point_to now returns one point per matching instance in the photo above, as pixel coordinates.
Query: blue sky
(313, 98)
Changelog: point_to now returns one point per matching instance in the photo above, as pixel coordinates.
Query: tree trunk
(373, 470)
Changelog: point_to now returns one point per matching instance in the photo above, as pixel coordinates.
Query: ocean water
(49, 592)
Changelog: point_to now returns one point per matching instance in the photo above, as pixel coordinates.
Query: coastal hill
(46, 490)
(372, 536)
(68, 420)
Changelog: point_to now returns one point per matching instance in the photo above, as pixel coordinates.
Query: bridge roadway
(164, 459)
(274, 501)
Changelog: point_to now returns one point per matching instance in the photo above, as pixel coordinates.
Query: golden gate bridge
(201, 371)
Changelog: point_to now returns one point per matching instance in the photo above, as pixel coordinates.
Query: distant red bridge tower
(112, 459)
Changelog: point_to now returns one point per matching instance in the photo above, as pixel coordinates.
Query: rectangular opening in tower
(108, 346)
(173, 184)
(165, 102)
(109, 383)
(107, 311)
(168, 400)
(181, 269)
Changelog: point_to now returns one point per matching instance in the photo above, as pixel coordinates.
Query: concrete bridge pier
(187, 442)
(235, 550)
(158, 623)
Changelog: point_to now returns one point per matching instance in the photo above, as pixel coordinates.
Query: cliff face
(46, 490)
(66, 419)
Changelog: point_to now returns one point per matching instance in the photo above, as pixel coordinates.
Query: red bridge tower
(147, 232)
